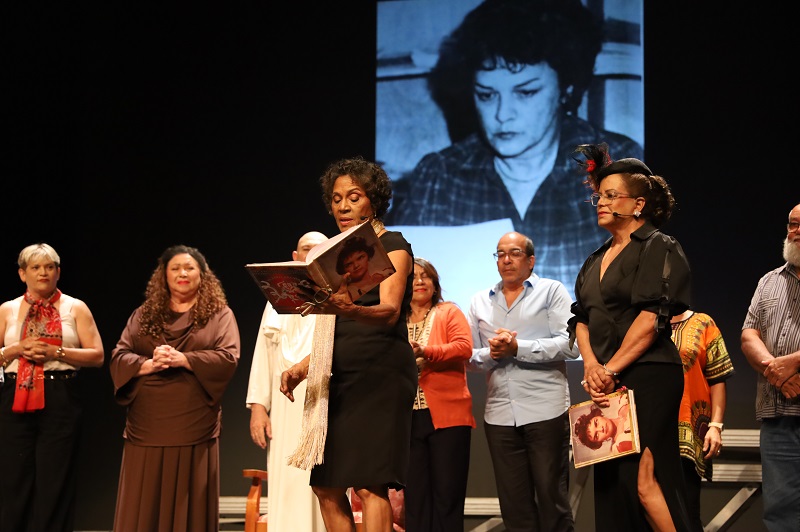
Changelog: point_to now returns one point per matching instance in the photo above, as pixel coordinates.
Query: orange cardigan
(444, 377)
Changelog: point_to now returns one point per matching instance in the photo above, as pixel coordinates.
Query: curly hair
(352, 245)
(155, 309)
(640, 181)
(369, 176)
(583, 423)
(511, 34)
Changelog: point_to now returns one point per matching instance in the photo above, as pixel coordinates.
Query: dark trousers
(531, 469)
(437, 477)
(38, 482)
(693, 487)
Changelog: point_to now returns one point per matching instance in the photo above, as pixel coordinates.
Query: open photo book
(600, 434)
(291, 286)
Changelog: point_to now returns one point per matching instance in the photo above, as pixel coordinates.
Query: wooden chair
(252, 511)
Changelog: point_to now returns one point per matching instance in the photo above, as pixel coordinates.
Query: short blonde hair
(38, 251)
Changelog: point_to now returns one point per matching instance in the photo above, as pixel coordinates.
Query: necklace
(415, 331)
(377, 226)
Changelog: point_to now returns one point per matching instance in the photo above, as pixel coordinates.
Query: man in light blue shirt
(519, 333)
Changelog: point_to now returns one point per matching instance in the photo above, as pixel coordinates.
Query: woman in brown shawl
(170, 367)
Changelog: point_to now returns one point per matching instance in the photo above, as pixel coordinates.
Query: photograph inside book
(600, 434)
(289, 286)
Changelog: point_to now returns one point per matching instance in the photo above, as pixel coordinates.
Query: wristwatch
(719, 426)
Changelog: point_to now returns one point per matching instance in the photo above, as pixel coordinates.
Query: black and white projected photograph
(479, 106)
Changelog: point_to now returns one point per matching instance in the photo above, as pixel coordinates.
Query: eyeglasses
(792, 226)
(514, 254)
(594, 199)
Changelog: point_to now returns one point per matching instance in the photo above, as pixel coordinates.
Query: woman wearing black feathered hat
(626, 293)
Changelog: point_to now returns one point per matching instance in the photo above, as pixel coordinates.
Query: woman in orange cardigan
(442, 421)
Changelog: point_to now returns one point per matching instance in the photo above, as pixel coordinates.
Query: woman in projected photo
(509, 81)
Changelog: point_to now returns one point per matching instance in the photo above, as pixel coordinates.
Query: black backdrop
(131, 128)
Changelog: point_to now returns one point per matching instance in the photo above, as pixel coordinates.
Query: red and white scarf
(43, 322)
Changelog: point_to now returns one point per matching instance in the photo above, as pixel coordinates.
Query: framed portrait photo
(600, 434)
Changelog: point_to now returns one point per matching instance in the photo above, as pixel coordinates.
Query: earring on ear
(566, 95)
(636, 214)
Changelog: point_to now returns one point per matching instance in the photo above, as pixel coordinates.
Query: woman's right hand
(292, 377)
(599, 398)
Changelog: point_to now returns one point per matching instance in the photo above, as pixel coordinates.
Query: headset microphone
(618, 215)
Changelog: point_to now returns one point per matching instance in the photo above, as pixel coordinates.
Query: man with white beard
(771, 344)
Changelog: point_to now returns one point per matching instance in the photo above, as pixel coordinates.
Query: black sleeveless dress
(373, 382)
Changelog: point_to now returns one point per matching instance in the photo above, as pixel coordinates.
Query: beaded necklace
(414, 332)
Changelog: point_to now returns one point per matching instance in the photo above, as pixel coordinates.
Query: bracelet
(60, 353)
(3, 356)
(716, 425)
(609, 372)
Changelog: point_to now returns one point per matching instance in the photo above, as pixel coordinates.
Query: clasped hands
(419, 354)
(504, 345)
(598, 383)
(783, 375)
(166, 356)
(35, 350)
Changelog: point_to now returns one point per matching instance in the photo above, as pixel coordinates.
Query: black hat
(624, 166)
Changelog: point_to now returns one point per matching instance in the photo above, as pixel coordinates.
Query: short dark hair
(349, 247)
(641, 183)
(370, 176)
(583, 423)
(562, 33)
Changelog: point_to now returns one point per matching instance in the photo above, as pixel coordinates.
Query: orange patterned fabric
(705, 362)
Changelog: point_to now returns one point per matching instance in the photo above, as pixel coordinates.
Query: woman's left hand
(712, 444)
(419, 350)
(597, 380)
(338, 302)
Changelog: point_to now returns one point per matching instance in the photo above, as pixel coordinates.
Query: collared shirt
(460, 186)
(532, 386)
(633, 282)
(773, 312)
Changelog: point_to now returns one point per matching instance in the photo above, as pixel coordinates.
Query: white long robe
(283, 340)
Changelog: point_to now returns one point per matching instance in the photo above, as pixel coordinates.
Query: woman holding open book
(361, 374)
(625, 294)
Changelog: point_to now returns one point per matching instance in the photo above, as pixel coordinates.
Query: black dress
(372, 387)
(632, 283)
